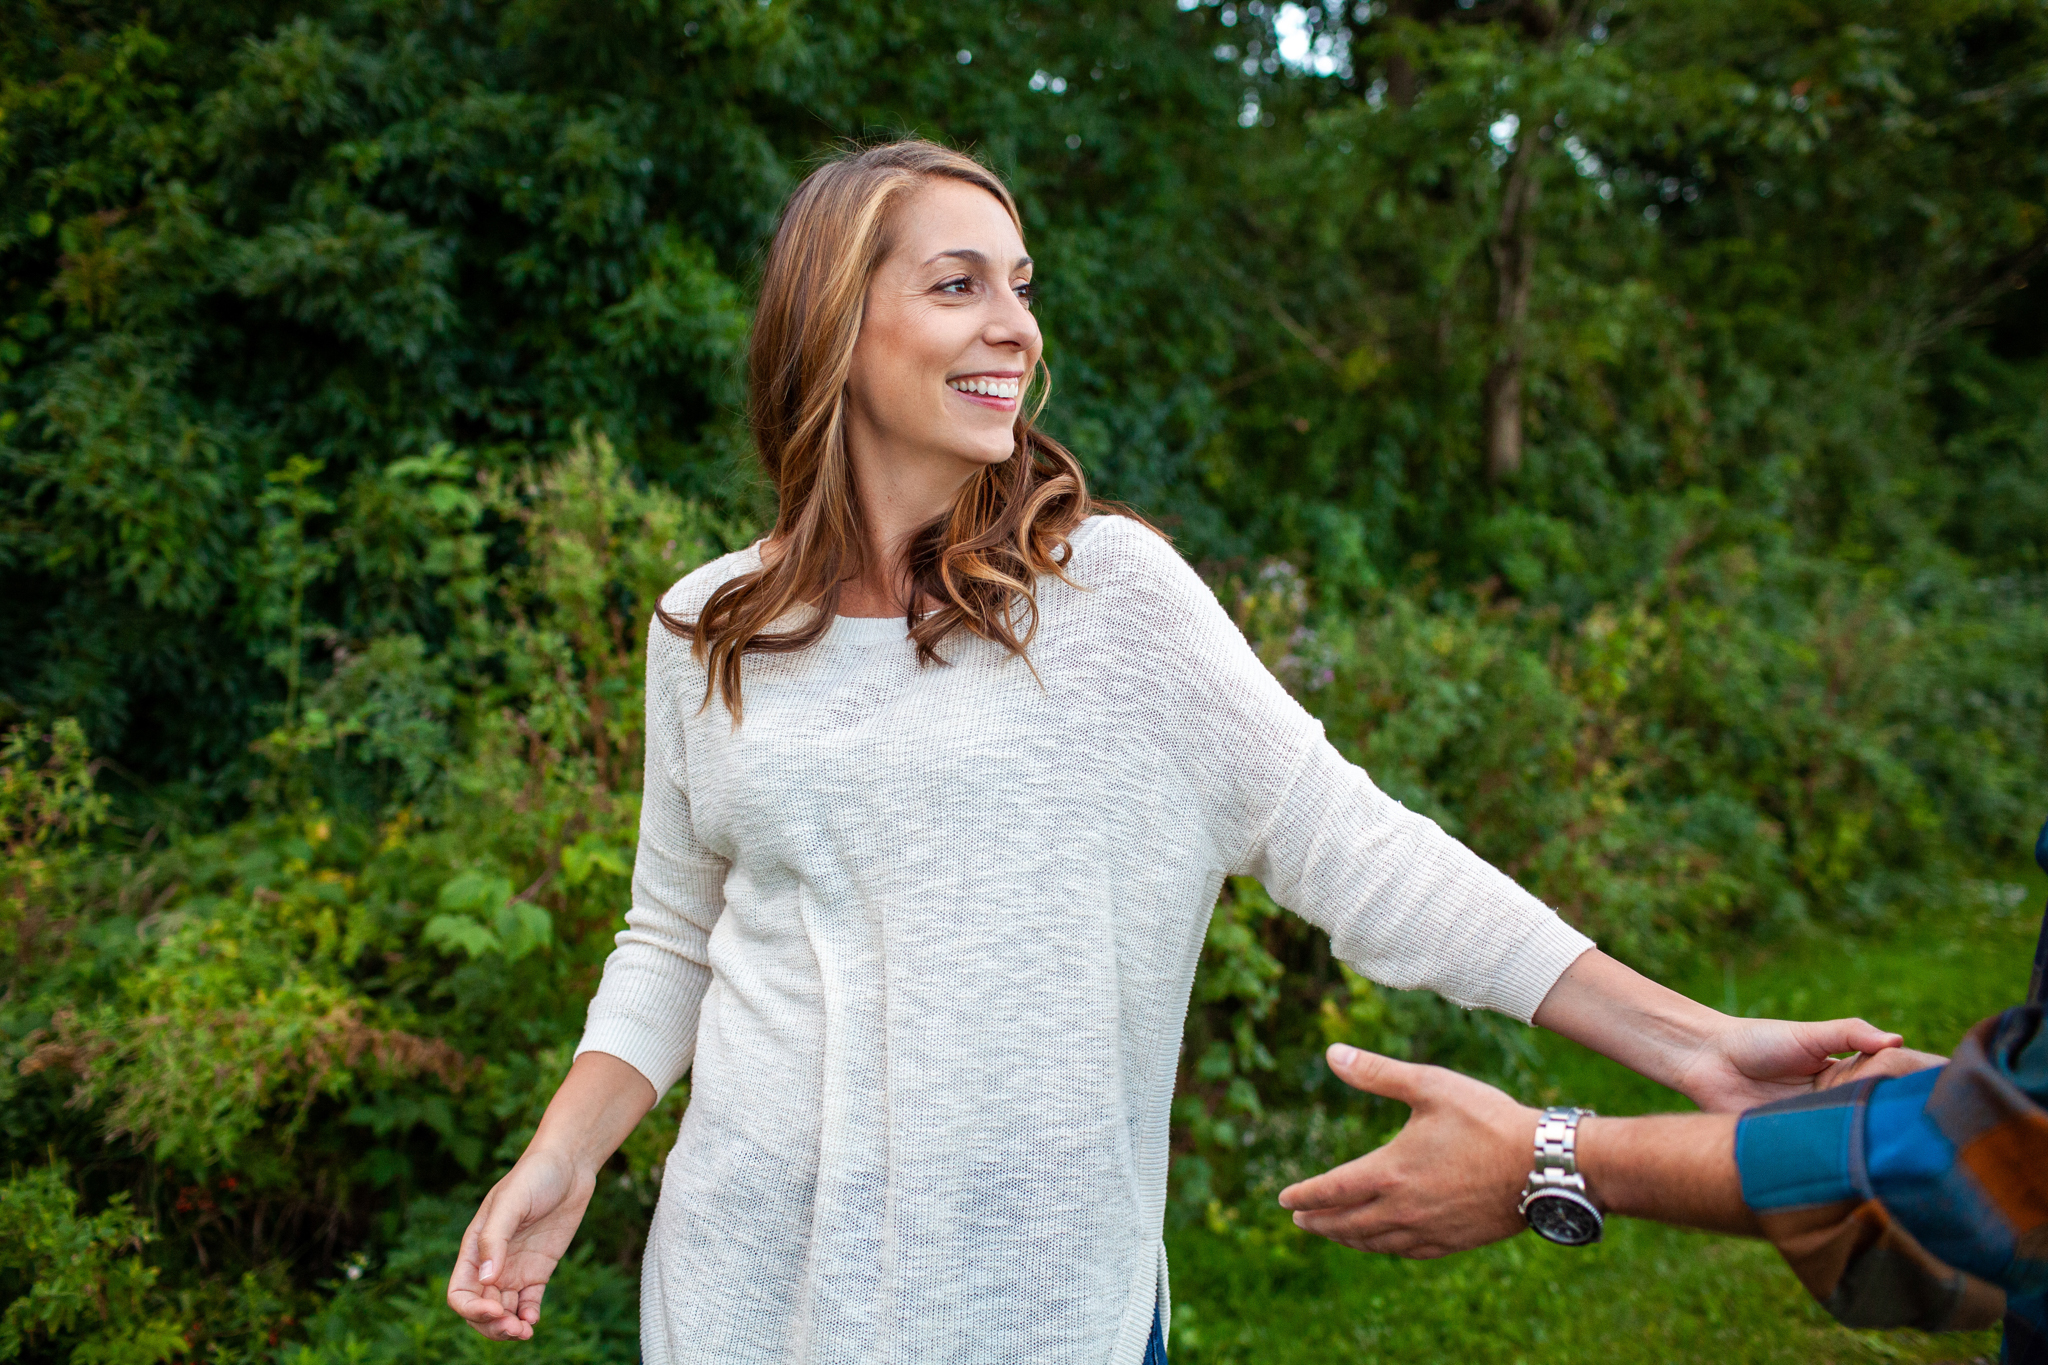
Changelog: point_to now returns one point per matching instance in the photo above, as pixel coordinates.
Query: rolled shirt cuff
(654, 1053)
(1796, 1153)
(1527, 974)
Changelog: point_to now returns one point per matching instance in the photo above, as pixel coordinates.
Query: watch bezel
(1535, 1197)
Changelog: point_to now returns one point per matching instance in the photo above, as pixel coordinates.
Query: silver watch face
(1564, 1217)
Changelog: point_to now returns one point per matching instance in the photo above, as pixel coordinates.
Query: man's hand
(1892, 1061)
(1449, 1181)
(512, 1246)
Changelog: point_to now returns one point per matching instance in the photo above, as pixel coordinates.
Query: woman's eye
(1027, 293)
(961, 285)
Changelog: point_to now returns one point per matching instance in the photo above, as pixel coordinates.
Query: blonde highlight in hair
(1008, 527)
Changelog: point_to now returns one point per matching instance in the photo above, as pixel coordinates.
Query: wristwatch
(1554, 1201)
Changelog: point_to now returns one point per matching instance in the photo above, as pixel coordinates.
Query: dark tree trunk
(1401, 75)
(1513, 249)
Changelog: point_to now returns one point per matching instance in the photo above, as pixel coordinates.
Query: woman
(942, 780)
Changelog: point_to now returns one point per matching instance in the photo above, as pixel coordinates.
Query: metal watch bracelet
(1555, 1202)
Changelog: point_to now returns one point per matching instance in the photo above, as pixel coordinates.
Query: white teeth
(994, 388)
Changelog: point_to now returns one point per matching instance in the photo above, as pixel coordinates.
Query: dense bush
(367, 368)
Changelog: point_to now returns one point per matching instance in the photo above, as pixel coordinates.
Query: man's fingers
(1350, 1223)
(1895, 1061)
(1361, 1180)
(1357, 1182)
(1377, 1075)
(1370, 1227)
(1400, 1242)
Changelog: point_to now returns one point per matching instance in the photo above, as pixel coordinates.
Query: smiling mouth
(997, 386)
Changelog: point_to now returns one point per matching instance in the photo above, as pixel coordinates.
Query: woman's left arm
(1719, 1062)
(1405, 903)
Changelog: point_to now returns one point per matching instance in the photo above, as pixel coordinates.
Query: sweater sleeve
(645, 1009)
(1403, 902)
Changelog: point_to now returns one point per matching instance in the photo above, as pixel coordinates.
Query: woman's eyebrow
(977, 258)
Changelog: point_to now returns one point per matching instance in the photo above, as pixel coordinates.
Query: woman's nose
(1011, 325)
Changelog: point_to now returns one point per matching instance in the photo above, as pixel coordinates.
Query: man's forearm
(1674, 1168)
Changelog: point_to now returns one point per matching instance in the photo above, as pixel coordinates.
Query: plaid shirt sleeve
(1917, 1201)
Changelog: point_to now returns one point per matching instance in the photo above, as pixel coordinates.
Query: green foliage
(367, 368)
(397, 1314)
(279, 1035)
(77, 1280)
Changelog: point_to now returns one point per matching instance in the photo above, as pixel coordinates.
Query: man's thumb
(1375, 1074)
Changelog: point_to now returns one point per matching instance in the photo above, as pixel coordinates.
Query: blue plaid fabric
(1921, 1201)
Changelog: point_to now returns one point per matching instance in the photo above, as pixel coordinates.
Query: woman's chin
(981, 457)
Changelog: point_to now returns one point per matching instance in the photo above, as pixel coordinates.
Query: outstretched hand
(1447, 1182)
(1750, 1062)
(1721, 1063)
(519, 1234)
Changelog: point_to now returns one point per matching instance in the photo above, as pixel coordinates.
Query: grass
(1257, 1290)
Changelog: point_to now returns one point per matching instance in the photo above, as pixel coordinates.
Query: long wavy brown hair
(976, 568)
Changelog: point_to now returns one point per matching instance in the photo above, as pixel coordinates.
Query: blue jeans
(1155, 1349)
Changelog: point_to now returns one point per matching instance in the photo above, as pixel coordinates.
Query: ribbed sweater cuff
(1528, 973)
(662, 1060)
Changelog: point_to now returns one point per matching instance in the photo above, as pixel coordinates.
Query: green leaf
(523, 928)
(460, 932)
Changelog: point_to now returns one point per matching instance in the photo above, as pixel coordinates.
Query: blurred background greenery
(1625, 424)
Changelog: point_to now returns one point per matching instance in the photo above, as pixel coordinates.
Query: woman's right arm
(523, 1228)
(639, 1039)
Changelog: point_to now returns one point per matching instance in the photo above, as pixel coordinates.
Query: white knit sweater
(928, 933)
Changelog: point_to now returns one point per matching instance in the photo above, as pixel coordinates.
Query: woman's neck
(898, 498)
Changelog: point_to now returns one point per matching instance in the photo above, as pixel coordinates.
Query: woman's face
(947, 341)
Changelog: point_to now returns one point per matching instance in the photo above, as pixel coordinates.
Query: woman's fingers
(500, 1314)
(486, 1311)
(463, 1284)
(500, 1219)
(1755, 1061)
(1857, 1035)
(481, 1305)
(493, 1286)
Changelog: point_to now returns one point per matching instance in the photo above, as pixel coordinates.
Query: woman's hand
(512, 1246)
(1719, 1062)
(1748, 1062)
(522, 1230)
